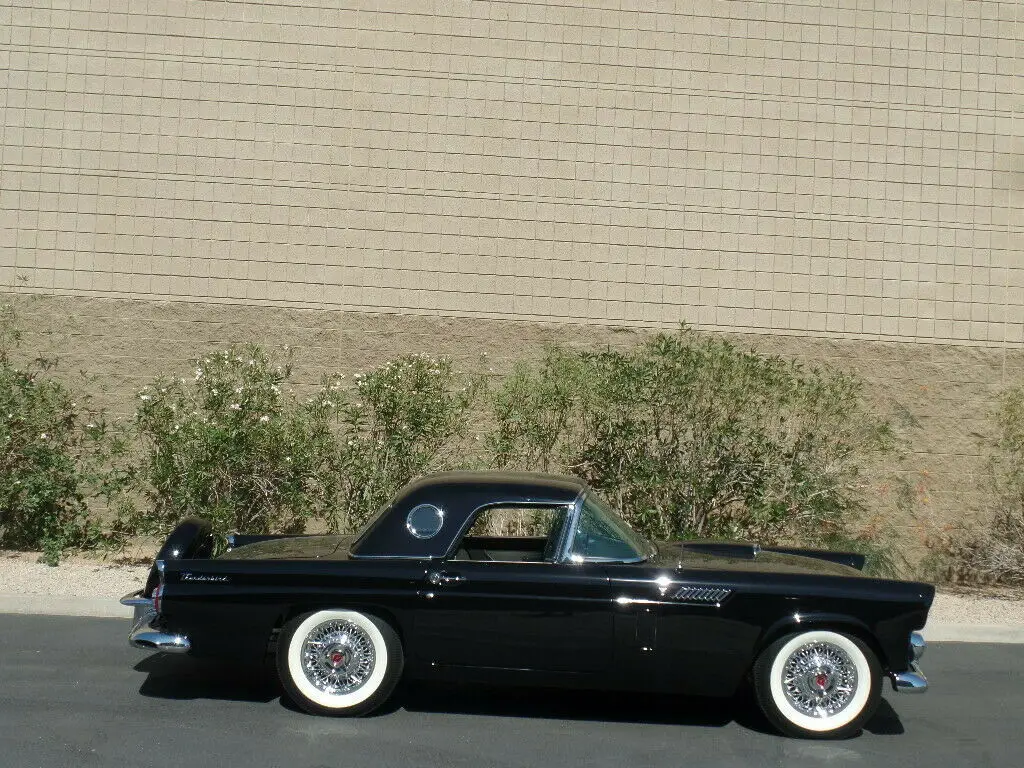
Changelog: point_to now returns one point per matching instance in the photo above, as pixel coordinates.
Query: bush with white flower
(232, 446)
(401, 420)
(52, 448)
(229, 445)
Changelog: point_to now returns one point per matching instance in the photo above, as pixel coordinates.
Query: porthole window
(424, 521)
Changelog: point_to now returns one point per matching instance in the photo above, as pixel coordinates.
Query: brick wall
(823, 167)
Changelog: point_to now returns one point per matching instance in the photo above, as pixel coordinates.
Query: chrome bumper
(913, 680)
(144, 635)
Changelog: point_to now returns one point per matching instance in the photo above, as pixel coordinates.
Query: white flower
(44, 436)
(91, 425)
(264, 419)
(238, 390)
(145, 397)
(235, 407)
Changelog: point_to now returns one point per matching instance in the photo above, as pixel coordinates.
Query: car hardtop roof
(458, 496)
(525, 484)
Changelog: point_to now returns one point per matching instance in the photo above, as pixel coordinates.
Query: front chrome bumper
(913, 680)
(144, 635)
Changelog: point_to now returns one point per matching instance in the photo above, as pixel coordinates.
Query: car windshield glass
(601, 535)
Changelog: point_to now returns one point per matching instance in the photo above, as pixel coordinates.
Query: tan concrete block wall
(822, 167)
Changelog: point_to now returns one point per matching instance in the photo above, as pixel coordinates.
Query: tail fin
(192, 539)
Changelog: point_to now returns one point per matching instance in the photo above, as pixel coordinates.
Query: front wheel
(339, 662)
(818, 684)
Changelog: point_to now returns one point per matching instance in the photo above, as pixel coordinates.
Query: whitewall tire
(818, 684)
(339, 662)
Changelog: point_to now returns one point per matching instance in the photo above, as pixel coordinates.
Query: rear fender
(192, 539)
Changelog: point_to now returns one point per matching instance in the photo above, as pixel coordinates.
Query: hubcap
(819, 679)
(338, 657)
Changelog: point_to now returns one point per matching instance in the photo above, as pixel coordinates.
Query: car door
(543, 616)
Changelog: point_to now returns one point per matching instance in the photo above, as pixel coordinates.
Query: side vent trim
(714, 595)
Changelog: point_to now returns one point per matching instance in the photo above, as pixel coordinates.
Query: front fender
(802, 622)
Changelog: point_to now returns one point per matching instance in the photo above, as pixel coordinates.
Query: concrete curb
(63, 605)
(973, 633)
(105, 607)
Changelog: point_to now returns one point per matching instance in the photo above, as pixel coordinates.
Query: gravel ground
(20, 574)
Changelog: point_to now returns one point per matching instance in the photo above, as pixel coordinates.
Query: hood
(293, 548)
(749, 558)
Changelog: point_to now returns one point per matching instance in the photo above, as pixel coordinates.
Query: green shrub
(408, 417)
(230, 445)
(50, 454)
(692, 437)
(993, 552)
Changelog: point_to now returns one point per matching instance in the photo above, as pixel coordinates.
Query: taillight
(158, 594)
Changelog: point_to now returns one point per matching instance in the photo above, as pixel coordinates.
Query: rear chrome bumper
(144, 635)
(913, 680)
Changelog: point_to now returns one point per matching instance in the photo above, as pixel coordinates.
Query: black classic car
(533, 579)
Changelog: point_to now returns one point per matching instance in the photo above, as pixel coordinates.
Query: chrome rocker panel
(144, 635)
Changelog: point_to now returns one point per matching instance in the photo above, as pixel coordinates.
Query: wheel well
(835, 624)
(297, 610)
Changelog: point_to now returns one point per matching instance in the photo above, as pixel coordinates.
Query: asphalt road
(73, 694)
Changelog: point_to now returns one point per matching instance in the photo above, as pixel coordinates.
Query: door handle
(439, 577)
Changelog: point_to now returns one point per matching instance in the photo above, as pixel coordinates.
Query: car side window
(527, 533)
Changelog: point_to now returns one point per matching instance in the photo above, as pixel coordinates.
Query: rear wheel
(818, 684)
(339, 662)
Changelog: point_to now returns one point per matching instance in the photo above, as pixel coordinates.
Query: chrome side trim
(917, 645)
(144, 636)
(911, 681)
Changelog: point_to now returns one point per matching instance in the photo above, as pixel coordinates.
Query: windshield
(602, 536)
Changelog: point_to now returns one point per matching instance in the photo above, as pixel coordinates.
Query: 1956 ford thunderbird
(533, 579)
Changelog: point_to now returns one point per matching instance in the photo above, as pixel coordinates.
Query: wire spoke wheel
(338, 661)
(819, 679)
(338, 657)
(819, 683)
